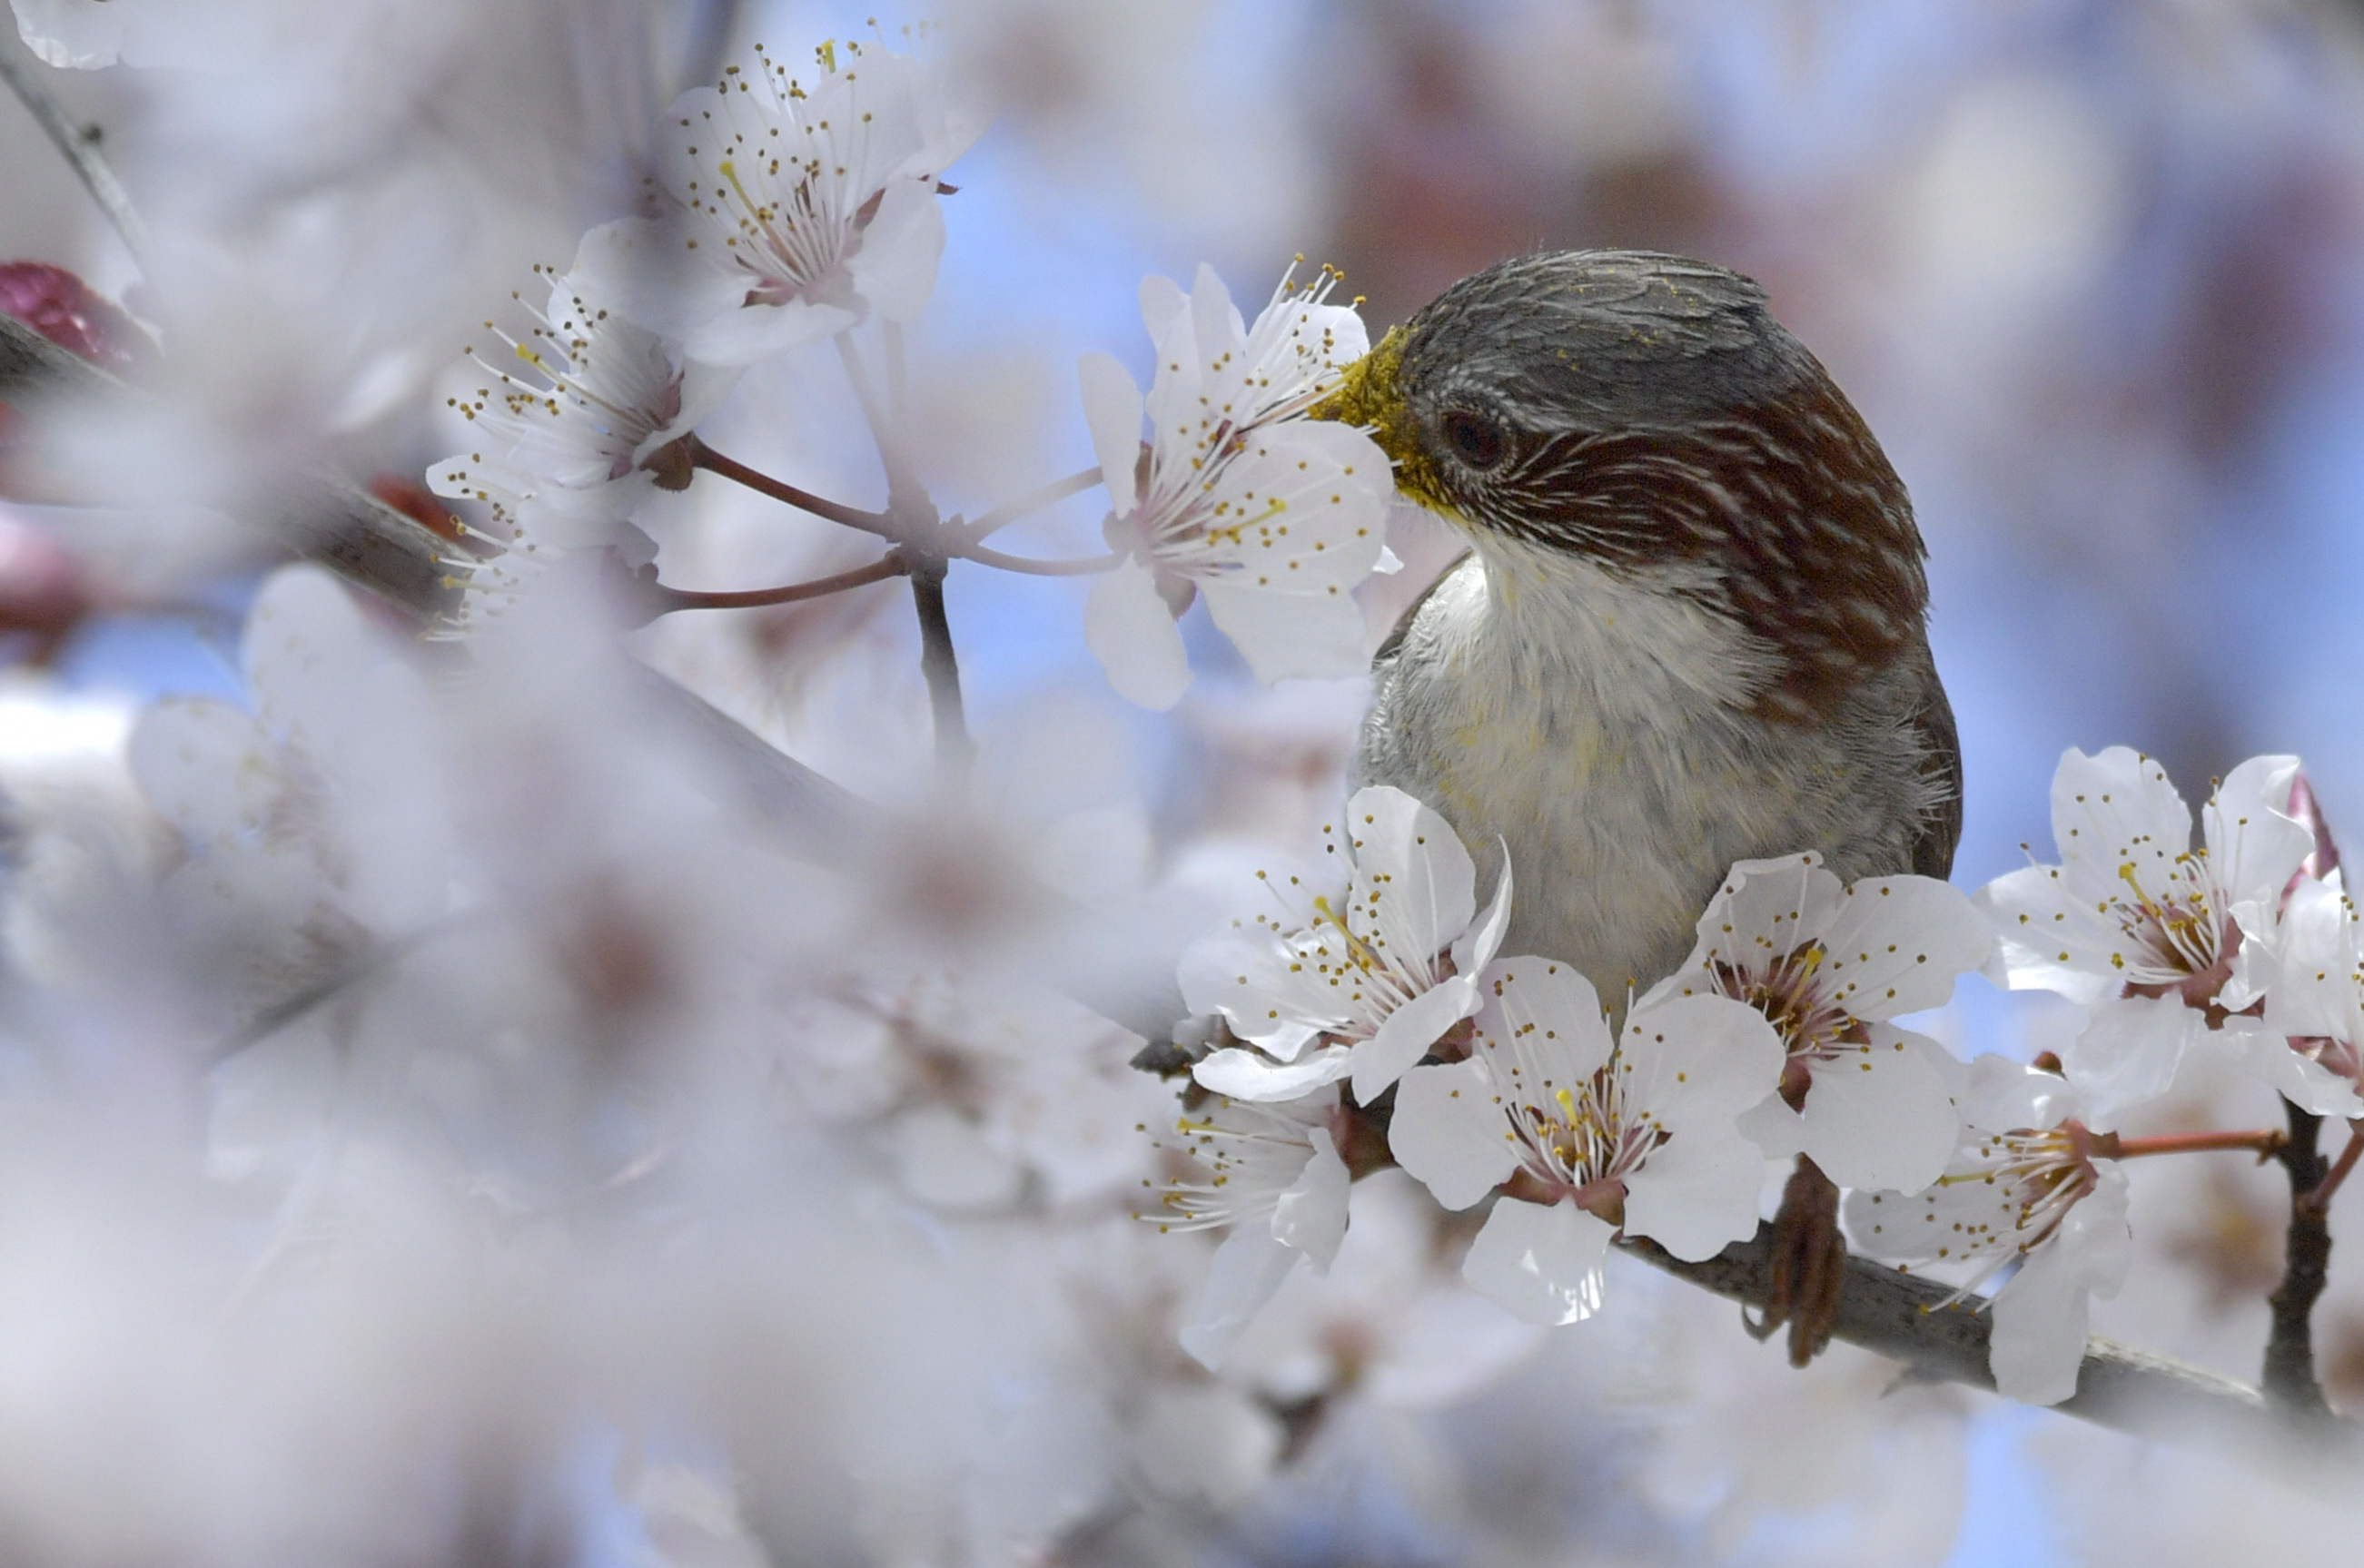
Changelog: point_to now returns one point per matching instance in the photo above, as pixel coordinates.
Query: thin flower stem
(668, 600)
(1082, 566)
(2265, 1144)
(80, 146)
(707, 458)
(899, 382)
(2320, 1198)
(941, 668)
(1009, 512)
(905, 494)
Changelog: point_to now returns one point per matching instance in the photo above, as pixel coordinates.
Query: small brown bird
(1690, 630)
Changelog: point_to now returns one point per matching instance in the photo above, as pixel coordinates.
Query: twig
(1897, 1316)
(325, 519)
(2320, 1198)
(905, 496)
(2264, 1144)
(666, 600)
(707, 458)
(2288, 1379)
(1082, 567)
(1050, 495)
(80, 147)
(942, 667)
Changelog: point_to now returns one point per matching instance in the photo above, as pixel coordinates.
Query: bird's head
(1647, 414)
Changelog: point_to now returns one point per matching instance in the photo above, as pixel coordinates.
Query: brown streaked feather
(1933, 852)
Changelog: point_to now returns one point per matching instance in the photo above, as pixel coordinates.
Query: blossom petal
(894, 269)
(1779, 1132)
(1249, 1269)
(751, 332)
(2127, 1052)
(2046, 938)
(1881, 1114)
(1163, 304)
(1409, 1033)
(2041, 1313)
(2313, 988)
(204, 766)
(1542, 1261)
(1767, 908)
(2267, 1055)
(1696, 1193)
(2254, 849)
(1113, 410)
(1221, 334)
(1289, 636)
(1130, 630)
(2114, 810)
(1418, 884)
(1252, 1076)
(1900, 941)
(1476, 947)
(1547, 1009)
(1311, 1214)
(1697, 1060)
(1449, 1130)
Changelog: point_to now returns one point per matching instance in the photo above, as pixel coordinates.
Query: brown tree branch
(1897, 1315)
(2289, 1381)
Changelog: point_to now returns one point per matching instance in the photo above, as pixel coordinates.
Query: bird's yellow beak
(1369, 396)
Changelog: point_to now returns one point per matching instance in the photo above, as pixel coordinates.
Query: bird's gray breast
(1591, 721)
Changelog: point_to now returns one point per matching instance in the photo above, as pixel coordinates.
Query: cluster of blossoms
(1775, 1040)
(636, 958)
(799, 211)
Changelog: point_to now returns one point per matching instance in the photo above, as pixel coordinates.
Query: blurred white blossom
(802, 208)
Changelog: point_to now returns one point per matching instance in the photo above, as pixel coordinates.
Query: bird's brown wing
(1933, 852)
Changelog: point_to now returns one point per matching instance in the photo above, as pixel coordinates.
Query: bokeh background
(2094, 269)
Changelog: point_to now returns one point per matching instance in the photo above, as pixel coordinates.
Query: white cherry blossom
(2143, 928)
(1276, 1179)
(316, 823)
(1275, 518)
(2312, 1049)
(2029, 1182)
(565, 435)
(1829, 966)
(804, 207)
(1365, 986)
(1596, 1134)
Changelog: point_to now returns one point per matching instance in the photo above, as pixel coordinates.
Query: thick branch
(323, 517)
(2288, 1379)
(1896, 1315)
(938, 662)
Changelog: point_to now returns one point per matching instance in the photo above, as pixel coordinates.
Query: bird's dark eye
(1475, 440)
